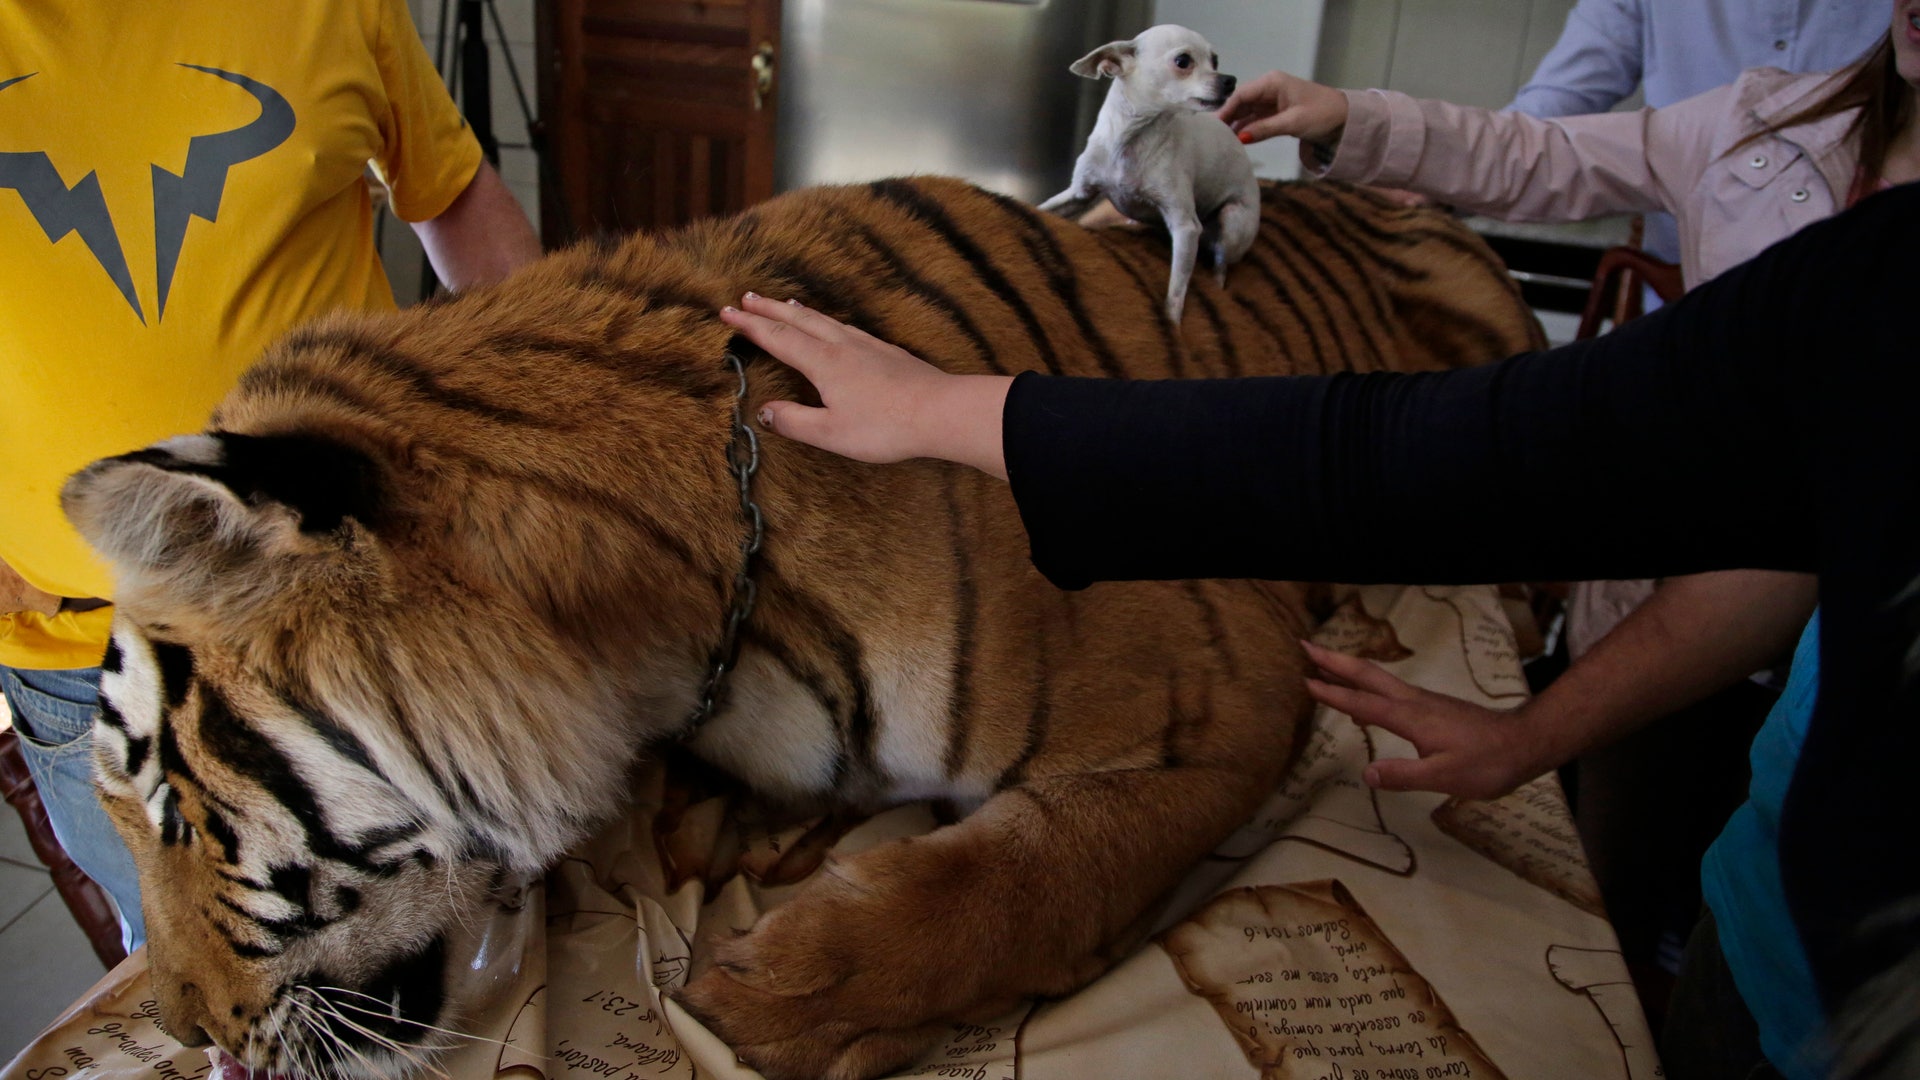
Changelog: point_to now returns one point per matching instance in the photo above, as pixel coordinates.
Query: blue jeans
(53, 711)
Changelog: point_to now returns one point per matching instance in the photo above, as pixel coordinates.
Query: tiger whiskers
(330, 1049)
(322, 1014)
(306, 1048)
(336, 1049)
(303, 1037)
(335, 1045)
(328, 1010)
(384, 1013)
(295, 1048)
(283, 1053)
(458, 909)
(331, 1008)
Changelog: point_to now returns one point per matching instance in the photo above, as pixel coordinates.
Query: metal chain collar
(743, 458)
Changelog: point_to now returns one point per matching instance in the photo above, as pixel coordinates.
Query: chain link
(743, 459)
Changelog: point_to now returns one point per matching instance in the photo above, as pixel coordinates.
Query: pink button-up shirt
(1730, 204)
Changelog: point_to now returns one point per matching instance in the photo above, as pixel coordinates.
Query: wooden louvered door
(657, 112)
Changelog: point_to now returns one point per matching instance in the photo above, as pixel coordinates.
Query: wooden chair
(1614, 297)
(86, 900)
(1616, 291)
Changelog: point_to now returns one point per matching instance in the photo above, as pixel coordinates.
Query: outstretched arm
(1706, 416)
(1507, 164)
(878, 402)
(1696, 635)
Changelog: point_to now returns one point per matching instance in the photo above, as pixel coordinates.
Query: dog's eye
(1183, 61)
(1216, 61)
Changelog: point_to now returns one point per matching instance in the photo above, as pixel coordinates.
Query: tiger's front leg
(1030, 896)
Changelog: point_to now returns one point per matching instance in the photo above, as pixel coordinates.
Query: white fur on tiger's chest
(780, 738)
(913, 694)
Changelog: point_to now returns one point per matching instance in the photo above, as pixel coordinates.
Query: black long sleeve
(1765, 420)
(1660, 448)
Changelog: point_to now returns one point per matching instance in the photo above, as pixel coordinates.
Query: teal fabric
(1740, 880)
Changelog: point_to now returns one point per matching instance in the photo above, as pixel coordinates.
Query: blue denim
(53, 711)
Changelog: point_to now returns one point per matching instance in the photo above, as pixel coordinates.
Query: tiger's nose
(195, 1036)
(183, 1014)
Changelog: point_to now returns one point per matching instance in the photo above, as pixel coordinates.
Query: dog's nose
(1226, 85)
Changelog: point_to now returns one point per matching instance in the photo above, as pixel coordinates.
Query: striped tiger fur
(391, 632)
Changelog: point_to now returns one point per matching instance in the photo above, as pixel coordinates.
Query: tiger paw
(788, 1038)
(828, 986)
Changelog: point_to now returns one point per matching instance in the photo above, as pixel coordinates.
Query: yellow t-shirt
(180, 183)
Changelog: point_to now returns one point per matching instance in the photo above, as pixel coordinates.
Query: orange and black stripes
(1061, 280)
(905, 277)
(384, 361)
(1151, 295)
(821, 652)
(927, 211)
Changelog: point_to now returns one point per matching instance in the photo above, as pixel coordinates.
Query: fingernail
(753, 296)
(766, 418)
(1372, 776)
(796, 303)
(728, 308)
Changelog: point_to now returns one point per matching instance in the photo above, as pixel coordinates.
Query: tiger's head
(303, 913)
(329, 747)
(305, 905)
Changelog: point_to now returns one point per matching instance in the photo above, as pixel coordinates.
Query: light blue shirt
(1680, 48)
(1740, 880)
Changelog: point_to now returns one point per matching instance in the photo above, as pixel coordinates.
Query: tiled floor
(45, 962)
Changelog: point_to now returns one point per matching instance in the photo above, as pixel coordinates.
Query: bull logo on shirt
(194, 192)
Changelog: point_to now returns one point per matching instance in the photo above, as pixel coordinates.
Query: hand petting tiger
(392, 631)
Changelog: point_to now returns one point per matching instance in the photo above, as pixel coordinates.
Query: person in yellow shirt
(181, 183)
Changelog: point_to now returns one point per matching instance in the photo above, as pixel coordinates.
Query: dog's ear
(1109, 61)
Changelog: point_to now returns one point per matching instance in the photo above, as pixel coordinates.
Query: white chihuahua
(1158, 154)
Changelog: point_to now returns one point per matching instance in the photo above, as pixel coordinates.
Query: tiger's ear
(1109, 61)
(190, 506)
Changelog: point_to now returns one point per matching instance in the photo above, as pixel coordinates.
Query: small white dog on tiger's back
(1158, 152)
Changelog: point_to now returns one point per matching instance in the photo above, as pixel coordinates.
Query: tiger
(391, 631)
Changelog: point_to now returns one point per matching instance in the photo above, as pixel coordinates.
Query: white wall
(1475, 52)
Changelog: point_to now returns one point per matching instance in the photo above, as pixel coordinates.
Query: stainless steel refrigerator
(972, 88)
